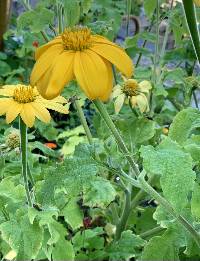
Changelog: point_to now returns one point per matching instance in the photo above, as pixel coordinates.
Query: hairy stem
(23, 143)
(104, 114)
(121, 226)
(83, 120)
(152, 232)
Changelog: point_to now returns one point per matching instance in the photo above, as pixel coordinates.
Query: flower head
(78, 54)
(135, 92)
(25, 101)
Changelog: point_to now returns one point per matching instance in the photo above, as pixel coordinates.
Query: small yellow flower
(135, 92)
(25, 101)
(197, 2)
(78, 54)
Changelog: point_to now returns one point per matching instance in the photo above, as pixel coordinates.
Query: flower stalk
(83, 120)
(23, 143)
(104, 114)
(190, 16)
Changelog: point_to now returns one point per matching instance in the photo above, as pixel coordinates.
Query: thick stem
(152, 232)
(23, 143)
(190, 16)
(121, 226)
(83, 120)
(104, 114)
(167, 206)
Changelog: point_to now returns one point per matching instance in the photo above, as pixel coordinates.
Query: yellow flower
(134, 91)
(197, 2)
(25, 101)
(78, 54)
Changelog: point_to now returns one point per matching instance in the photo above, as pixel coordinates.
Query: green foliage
(36, 20)
(184, 124)
(22, 236)
(175, 168)
(79, 189)
(127, 246)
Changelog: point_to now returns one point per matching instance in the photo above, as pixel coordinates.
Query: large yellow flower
(78, 54)
(25, 101)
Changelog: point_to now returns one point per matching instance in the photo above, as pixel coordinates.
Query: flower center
(23, 94)
(130, 87)
(76, 38)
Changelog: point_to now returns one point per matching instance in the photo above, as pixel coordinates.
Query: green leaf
(72, 12)
(77, 171)
(5, 69)
(149, 7)
(175, 168)
(91, 237)
(44, 216)
(160, 249)
(185, 122)
(36, 20)
(72, 214)
(22, 236)
(11, 191)
(86, 5)
(126, 247)
(99, 193)
(195, 206)
(63, 250)
(137, 131)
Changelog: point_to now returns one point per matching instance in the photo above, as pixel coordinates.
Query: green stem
(167, 206)
(190, 16)
(23, 143)
(60, 18)
(83, 120)
(195, 99)
(121, 226)
(30, 176)
(152, 232)
(156, 55)
(128, 10)
(104, 114)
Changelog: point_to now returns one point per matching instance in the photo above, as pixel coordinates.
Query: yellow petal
(60, 73)
(102, 40)
(39, 51)
(119, 102)
(41, 112)
(133, 101)
(4, 105)
(44, 62)
(145, 86)
(116, 91)
(27, 114)
(13, 111)
(49, 104)
(142, 102)
(107, 93)
(116, 56)
(7, 90)
(92, 74)
(60, 99)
